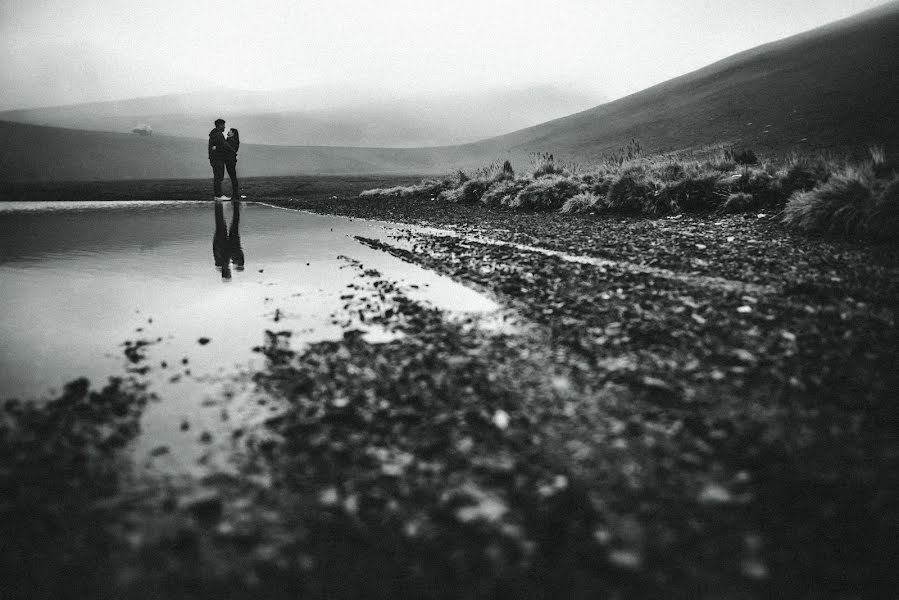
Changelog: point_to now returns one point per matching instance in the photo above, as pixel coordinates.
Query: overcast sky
(70, 51)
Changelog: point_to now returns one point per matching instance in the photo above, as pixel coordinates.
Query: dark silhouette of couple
(223, 155)
(226, 248)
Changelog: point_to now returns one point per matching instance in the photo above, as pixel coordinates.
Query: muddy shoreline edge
(690, 438)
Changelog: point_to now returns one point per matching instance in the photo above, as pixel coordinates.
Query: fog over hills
(834, 88)
(325, 115)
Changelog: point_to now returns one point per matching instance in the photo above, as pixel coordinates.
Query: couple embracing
(223, 155)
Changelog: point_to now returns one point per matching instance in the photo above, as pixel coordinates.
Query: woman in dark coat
(233, 140)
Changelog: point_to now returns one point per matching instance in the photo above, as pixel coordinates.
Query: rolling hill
(324, 115)
(833, 88)
(35, 153)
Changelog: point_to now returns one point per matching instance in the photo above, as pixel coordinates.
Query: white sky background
(71, 51)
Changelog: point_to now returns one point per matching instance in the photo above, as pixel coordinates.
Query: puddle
(101, 289)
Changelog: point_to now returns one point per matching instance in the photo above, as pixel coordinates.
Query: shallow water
(79, 280)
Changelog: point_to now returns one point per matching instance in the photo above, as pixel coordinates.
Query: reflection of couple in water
(226, 248)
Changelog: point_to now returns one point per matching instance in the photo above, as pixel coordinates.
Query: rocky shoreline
(671, 407)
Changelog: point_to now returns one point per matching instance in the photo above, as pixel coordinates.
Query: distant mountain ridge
(325, 116)
(833, 88)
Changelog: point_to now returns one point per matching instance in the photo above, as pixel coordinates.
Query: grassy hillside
(34, 153)
(833, 88)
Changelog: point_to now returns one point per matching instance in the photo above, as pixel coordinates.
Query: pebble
(631, 560)
(714, 493)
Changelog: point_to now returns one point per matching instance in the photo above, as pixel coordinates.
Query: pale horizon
(102, 50)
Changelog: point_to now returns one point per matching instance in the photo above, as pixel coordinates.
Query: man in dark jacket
(220, 152)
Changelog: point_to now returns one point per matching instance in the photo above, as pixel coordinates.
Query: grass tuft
(468, 193)
(546, 193)
(632, 192)
(739, 202)
(883, 218)
(838, 206)
(744, 156)
(544, 163)
(695, 192)
(818, 194)
(429, 187)
(583, 202)
(503, 192)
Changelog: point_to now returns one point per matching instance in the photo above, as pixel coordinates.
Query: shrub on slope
(883, 218)
(818, 195)
(696, 191)
(502, 193)
(544, 163)
(428, 187)
(739, 202)
(583, 202)
(468, 193)
(634, 192)
(843, 204)
(546, 193)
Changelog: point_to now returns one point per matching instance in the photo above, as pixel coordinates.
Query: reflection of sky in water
(80, 280)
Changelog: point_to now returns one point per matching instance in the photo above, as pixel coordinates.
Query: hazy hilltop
(35, 153)
(325, 115)
(834, 87)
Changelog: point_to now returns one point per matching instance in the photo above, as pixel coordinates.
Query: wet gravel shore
(689, 407)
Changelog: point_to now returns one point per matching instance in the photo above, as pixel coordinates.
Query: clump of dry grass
(631, 153)
(544, 163)
(503, 192)
(839, 205)
(883, 217)
(853, 202)
(468, 193)
(743, 156)
(820, 194)
(633, 191)
(696, 191)
(739, 202)
(802, 173)
(429, 187)
(584, 202)
(671, 171)
(546, 193)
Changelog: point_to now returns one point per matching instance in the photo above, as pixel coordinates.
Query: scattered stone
(657, 384)
(487, 509)
(714, 493)
(744, 355)
(753, 568)
(329, 497)
(628, 559)
(205, 505)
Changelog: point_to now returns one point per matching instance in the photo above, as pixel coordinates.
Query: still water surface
(79, 280)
